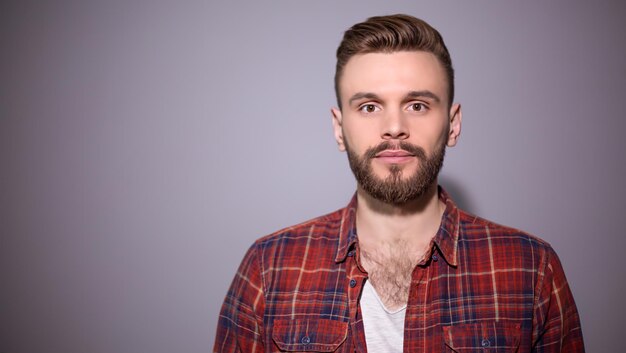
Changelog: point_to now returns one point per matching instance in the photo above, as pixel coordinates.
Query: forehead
(391, 73)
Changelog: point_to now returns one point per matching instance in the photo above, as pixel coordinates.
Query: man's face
(395, 122)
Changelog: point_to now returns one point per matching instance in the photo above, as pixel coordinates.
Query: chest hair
(390, 267)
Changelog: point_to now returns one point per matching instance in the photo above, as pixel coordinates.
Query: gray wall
(145, 145)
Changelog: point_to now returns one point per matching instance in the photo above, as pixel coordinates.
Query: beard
(396, 189)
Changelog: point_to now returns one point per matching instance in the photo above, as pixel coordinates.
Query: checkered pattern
(483, 287)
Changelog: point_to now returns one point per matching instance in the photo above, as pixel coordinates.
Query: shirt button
(485, 343)
(435, 257)
(352, 283)
(351, 253)
(305, 340)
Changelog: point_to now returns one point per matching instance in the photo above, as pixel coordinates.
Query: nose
(394, 127)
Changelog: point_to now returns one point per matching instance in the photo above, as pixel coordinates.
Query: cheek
(429, 134)
(360, 137)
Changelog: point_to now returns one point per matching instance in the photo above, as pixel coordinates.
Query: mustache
(400, 146)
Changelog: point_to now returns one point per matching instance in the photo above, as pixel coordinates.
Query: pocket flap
(318, 335)
(489, 336)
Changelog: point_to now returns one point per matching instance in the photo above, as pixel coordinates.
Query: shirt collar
(446, 239)
(347, 230)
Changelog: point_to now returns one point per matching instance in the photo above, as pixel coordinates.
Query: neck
(414, 223)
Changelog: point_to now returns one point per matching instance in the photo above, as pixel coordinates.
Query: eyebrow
(410, 95)
(424, 94)
(361, 95)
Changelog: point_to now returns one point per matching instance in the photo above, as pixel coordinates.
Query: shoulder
(301, 254)
(317, 235)
(501, 238)
(321, 226)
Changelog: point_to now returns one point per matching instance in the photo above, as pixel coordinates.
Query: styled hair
(388, 34)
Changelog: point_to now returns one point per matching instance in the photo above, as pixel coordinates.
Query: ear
(337, 128)
(455, 124)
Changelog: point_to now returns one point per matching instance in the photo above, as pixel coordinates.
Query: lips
(394, 157)
(394, 153)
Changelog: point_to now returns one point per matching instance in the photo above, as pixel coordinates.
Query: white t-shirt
(384, 329)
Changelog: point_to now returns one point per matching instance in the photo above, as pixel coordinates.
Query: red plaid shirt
(483, 287)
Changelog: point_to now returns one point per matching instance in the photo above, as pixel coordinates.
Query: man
(401, 268)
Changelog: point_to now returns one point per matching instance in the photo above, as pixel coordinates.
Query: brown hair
(388, 34)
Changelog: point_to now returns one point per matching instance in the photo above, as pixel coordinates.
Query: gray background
(145, 144)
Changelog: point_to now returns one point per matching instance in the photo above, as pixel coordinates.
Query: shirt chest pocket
(309, 335)
(490, 336)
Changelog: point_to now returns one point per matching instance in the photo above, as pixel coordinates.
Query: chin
(407, 171)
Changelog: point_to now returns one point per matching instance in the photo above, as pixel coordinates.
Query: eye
(368, 108)
(418, 107)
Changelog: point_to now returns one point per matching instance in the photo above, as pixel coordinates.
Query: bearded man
(401, 268)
